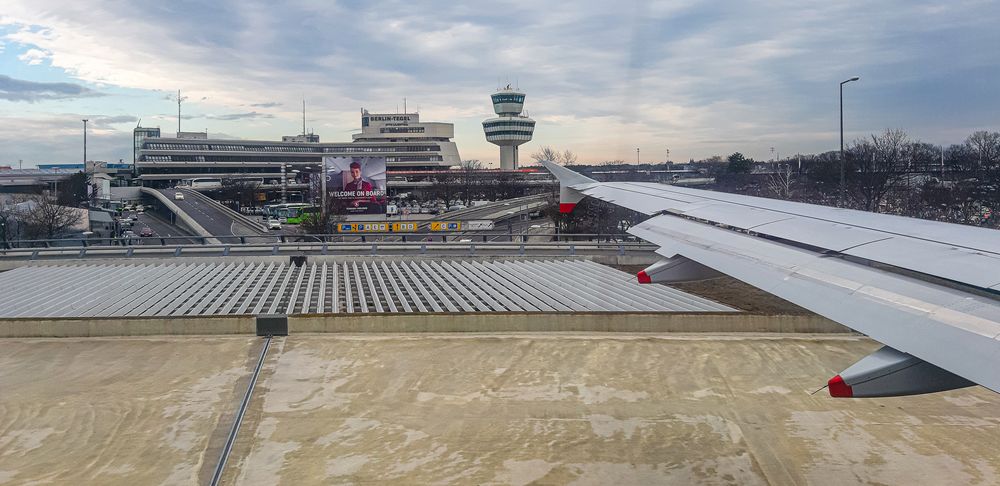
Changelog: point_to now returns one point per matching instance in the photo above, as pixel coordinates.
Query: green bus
(295, 215)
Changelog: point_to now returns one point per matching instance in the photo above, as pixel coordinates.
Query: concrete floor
(478, 409)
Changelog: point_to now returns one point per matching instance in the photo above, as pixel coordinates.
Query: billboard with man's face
(356, 184)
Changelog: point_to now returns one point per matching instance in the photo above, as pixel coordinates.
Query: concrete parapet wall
(127, 326)
(431, 323)
(562, 322)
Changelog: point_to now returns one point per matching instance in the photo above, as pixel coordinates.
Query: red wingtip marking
(643, 277)
(839, 389)
(566, 207)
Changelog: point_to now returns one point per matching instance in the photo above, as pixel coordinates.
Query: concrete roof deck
(580, 408)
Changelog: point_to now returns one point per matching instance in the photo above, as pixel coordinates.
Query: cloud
(12, 89)
(105, 121)
(239, 116)
(602, 78)
(33, 57)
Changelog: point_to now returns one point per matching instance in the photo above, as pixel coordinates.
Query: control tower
(509, 129)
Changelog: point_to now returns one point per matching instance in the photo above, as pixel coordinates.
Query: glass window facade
(508, 98)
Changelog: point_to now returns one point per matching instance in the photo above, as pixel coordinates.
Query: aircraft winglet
(568, 197)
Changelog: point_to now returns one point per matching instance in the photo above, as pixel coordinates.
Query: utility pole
(179, 100)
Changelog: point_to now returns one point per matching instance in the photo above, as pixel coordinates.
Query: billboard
(356, 185)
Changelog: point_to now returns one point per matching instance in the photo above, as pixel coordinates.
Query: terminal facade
(405, 141)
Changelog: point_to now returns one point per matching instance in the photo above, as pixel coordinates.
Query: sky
(697, 78)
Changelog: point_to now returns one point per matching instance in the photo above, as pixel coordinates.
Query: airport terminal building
(405, 141)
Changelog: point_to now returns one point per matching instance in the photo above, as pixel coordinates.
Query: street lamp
(85, 144)
(842, 185)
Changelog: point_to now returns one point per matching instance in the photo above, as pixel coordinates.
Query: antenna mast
(178, 112)
(303, 116)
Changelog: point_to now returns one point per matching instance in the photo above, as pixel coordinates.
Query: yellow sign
(446, 226)
(404, 227)
(376, 227)
(363, 228)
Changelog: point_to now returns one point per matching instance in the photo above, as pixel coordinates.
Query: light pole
(842, 184)
(85, 144)
(637, 156)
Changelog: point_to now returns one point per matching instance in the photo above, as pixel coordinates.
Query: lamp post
(85, 144)
(842, 184)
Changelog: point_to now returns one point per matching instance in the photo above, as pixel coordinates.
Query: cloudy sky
(602, 78)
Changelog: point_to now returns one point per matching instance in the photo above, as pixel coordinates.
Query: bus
(201, 183)
(282, 212)
(296, 215)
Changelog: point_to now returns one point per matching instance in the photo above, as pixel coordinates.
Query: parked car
(179, 196)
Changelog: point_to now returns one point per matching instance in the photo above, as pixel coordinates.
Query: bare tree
(546, 153)
(469, 181)
(43, 218)
(10, 221)
(780, 182)
(986, 147)
(878, 166)
(568, 158)
(239, 191)
(321, 223)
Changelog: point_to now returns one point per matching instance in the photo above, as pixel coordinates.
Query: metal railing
(319, 247)
(367, 237)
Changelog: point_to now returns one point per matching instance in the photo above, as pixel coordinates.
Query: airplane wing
(929, 291)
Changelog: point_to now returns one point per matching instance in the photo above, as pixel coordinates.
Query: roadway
(210, 216)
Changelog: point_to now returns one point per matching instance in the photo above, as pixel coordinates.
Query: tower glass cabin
(509, 129)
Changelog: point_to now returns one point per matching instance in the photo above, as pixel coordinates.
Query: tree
(73, 190)
(320, 223)
(239, 191)
(567, 157)
(738, 164)
(546, 153)
(469, 169)
(43, 218)
(780, 182)
(986, 147)
(878, 165)
(9, 222)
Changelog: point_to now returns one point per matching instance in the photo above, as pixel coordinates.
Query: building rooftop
(334, 285)
(479, 408)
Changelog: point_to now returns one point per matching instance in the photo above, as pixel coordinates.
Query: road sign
(479, 225)
(404, 227)
(446, 225)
